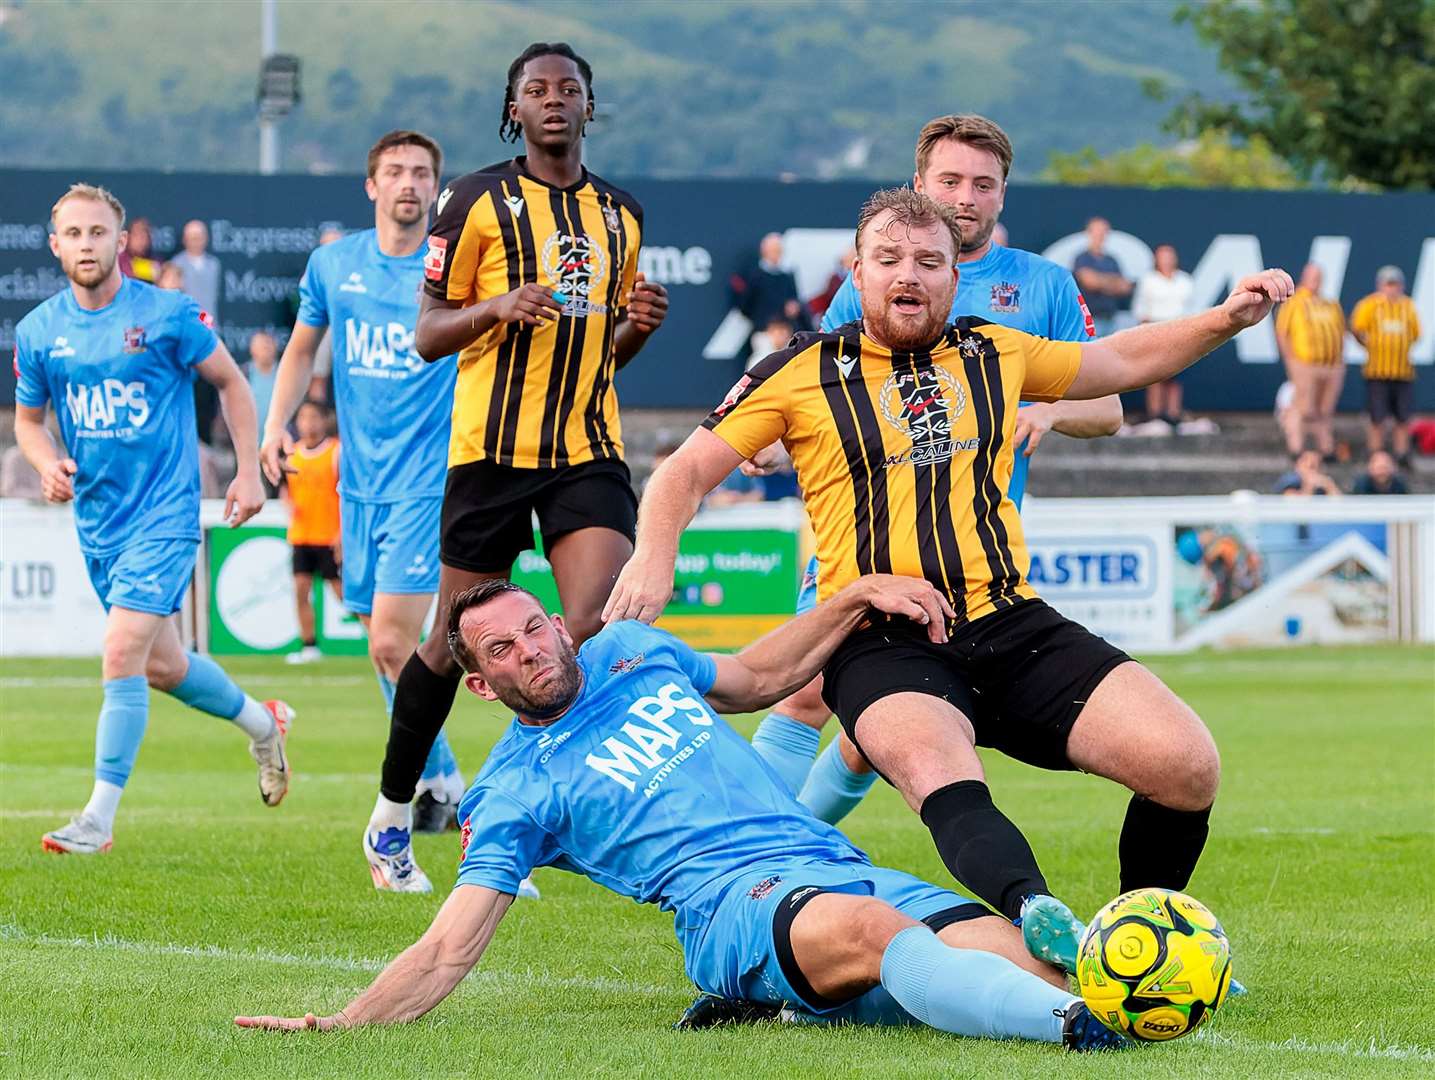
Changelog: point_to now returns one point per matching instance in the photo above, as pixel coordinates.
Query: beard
(977, 233)
(553, 697)
(408, 213)
(906, 333)
(88, 277)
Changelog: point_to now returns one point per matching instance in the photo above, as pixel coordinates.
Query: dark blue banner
(699, 233)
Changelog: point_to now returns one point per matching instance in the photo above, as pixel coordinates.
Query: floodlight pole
(268, 125)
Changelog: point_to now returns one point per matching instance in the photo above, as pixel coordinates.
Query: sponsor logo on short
(801, 894)
(763, 889)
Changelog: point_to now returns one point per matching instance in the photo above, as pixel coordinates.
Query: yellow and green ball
(1154, 965)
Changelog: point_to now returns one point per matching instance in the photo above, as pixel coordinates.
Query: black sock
(308, 642)
(1159, 846)
(981, 847)
(422, 701)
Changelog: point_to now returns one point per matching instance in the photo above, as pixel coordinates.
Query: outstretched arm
(419, 977)
(1156, 351)
(789, 657)
(670, 500)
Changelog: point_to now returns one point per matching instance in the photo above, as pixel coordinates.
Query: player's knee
(582, 622)
(874, 924)
(389, 651)
(1192, 777)
(164, 673)
(437, 657)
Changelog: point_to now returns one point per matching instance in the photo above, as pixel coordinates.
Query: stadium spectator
(1099, 275)
(137, 260)
(1385, 323)
(171, 276)
(772, 338)
(818, 305)
(1380, 477)
(312, 492)
(263, 363)
(1310, 333)
(767, 290)
(1307, 477)
(202, 271)
(1162, 293)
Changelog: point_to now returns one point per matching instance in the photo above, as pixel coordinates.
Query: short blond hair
(967, 128)
(95, 194)
(910, 208)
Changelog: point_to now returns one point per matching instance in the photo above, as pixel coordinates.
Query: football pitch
(1321, 866)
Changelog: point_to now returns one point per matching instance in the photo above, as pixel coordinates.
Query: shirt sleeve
(502, 843)
(1360, 317)
(455, 243)
(313, 296)
(700, 668)
(755, 412)
(1051, 367)
(196, 339)
(846, 306)
(32, 389)
(1070, 321)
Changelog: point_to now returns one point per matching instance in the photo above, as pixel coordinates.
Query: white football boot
(82, 836)
(269, 753)
(390, 852)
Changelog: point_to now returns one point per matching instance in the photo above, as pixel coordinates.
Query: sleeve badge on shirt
(1006, 297)
(464, 836)
(1086, 314)
(206, 318)
(733, 394)
(435, 257)
(135, 338)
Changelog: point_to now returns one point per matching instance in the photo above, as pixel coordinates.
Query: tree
(1211, 161)
(1344, 89)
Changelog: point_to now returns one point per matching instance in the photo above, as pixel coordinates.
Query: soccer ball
(1154, 964)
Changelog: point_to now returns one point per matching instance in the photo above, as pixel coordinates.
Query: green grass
(1321, 866)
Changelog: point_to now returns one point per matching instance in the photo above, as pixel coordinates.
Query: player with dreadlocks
(531, 277)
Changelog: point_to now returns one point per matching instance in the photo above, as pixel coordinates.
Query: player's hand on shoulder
(641, 592)
(910, 598)
(274, 456)
(647, 305)
(244, 499)
(56, 482)
(307, 1022)
(531, 305)
(1254, 296)
(1032, 424)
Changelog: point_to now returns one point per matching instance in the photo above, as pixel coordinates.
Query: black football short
(1389, 399)
(488, 509)
(317, 560)
(1020, 675)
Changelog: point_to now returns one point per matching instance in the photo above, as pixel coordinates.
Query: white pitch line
(9, 932)
(74, 682)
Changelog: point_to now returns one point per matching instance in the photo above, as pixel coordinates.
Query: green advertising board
(730, 587)
(251, 598)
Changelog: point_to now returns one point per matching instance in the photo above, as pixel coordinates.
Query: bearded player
(117, 359)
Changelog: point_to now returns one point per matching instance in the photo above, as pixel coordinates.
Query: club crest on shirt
(922, 404)
(763, 889)
(612, 219)
(627, 663)
(1006, 297)
(970, 348)
(578, 268)
(135, 339)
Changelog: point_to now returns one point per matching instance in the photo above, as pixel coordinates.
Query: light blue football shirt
(393, 406)
(639, 786)
(122, 383)
(1008, 286)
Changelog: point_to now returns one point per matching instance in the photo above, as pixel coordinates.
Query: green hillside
(697, 88)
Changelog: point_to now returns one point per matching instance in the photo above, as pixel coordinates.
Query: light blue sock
(207, 687)
(121, 728)
(788, 746)
(387, 689)
(833, 790)
(440, 759)
(968, 992)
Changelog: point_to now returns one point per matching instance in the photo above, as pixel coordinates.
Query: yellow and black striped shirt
(536, 397)
(904, 458)
(1390, 327)
(1315, 328)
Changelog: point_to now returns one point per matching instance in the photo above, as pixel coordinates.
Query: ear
(55, 244)
(371, 189)
(562, 629)
(917, 182)
(122, 241)
(857, 272)
(475, 684)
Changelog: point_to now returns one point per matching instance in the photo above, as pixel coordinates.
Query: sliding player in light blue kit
(117, 359)
(393, 411)
(962, 161)
(615, 768)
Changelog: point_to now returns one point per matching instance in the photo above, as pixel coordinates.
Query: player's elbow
(1111, 418)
